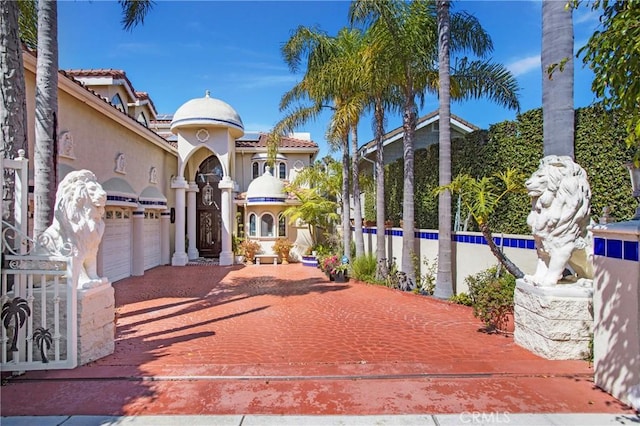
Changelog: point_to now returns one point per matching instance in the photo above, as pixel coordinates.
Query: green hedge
(599, 148)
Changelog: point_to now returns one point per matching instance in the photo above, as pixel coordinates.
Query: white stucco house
(427, 131)
(180, 185)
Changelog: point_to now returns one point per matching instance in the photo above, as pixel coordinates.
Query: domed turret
(266, 189)
(209, 112)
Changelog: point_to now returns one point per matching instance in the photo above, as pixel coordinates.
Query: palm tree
(331, 81)
(410, 34)
(557, 78)
(17, 309)
(14, 22)
(45, 153)
(481, 197)
(42, 337)
(444, 279)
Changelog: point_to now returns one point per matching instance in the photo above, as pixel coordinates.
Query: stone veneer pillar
(616, 307)
(554, 322)
(226, 187)
(180, 256)
(96, 323)
(192, 251)
(137, 261)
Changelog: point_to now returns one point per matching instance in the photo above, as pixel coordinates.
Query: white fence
(470, 252)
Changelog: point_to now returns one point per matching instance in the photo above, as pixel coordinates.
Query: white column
(226, 188)
(180, 256)
(191, 220)
(165, 219)
(616, 310)
(137, 264)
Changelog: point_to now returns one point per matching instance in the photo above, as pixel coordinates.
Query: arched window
(142, 119)
(252, 225)
(116, 101)
(266, 225)
(282, 226)
(282, 170)
(255, 169)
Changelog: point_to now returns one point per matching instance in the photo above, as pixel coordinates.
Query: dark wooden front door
(209, 235)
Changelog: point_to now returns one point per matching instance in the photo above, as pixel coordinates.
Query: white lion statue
(560, 207)
(78, 221)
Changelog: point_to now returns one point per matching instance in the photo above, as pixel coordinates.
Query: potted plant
(282, 247)
(250, 249)
(329, 263)
(340, 273)
(236, 247)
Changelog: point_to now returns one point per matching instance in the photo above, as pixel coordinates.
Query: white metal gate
(38, 299)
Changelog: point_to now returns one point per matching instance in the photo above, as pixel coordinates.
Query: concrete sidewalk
(244, 342)
(388, 420)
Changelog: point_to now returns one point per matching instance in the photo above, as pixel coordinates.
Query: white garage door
(116, 244)
(152, 242)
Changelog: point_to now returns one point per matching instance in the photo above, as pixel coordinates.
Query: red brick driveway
(284, 340)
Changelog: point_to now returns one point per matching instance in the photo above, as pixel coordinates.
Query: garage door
(115, 248)
(152, 242)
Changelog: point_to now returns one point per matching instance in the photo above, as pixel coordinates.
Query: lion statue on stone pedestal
(78, 223)
(560, 206)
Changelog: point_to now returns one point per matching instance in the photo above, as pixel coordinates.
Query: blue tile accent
(120, 198)
(153, 203)
(531, 244)
(265, 200)
(630, 250)
(614, 249)
(599, 245)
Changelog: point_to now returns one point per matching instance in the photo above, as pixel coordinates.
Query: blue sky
(232, 48)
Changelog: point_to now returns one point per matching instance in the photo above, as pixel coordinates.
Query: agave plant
(16, 309)
(42, 337)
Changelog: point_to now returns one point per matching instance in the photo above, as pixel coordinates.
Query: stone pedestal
(554, 322)
(96, 323)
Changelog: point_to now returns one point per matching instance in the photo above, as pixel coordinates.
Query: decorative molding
(121, 163)
(65, 145)
(202, 135)
(153, 175)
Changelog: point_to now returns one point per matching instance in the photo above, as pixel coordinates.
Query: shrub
(363, 268)
(491, 292)
(461, 299)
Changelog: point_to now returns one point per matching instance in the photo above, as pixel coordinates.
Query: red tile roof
(285, 142)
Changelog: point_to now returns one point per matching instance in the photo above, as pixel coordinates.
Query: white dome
(266, 189)
(208, 111)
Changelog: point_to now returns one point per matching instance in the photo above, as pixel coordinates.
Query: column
(226, 189)
(137, 263)
(616, 310)
(165, 220)
(191, 220)
(180, 256)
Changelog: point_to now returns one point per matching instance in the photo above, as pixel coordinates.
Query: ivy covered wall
(599, 148)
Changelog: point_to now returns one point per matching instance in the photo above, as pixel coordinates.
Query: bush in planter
(363, 268)
(282, 247)
(491, 293)
(250, 249)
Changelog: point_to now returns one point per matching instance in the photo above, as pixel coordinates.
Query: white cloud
(524, 65)
(261, 81)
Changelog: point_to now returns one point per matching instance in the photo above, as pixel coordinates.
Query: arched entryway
(208, 218)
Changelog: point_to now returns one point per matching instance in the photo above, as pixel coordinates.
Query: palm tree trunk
(13, 114)
(46, 115)
(557, 91)
(380, 207)
(408, 216)
(509, 265)
(357, 205)
(346, 205)
(444, 280)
